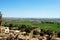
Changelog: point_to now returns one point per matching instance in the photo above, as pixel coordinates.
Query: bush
(59, 34)
(35, 32)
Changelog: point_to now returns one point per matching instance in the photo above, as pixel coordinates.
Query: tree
(10, 26)
(0, 18)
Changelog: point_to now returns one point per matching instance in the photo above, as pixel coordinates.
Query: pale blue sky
(30, 8)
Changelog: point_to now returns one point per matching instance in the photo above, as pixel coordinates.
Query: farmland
(45, 25)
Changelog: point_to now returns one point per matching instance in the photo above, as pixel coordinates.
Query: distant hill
(34, 19)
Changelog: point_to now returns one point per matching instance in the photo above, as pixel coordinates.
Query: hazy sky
(30, 8)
